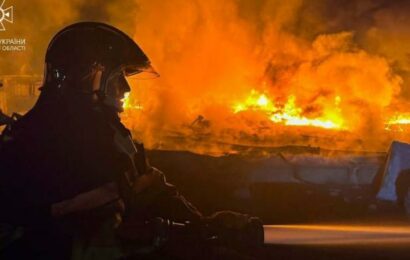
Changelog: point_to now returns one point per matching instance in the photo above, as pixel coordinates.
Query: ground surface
(366, 228)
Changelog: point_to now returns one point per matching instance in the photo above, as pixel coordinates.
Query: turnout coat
(69, 168)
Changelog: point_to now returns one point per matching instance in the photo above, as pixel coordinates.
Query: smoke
(211, 54)
(341, 59)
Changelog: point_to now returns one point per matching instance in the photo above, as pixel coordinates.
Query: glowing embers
(289, 113)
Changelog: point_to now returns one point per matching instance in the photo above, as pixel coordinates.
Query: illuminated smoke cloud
(212, 54)
(339, 59)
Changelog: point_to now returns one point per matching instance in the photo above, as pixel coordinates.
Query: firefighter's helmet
(81, 49)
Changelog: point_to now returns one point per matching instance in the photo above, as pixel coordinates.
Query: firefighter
(72, 178)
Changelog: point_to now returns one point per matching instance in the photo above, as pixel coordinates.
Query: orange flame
(403, 119)
(398, 123)
(290, 113)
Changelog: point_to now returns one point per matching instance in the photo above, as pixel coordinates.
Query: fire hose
(254, 234)
(158, 232)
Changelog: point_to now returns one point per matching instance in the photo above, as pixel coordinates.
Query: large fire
(269, 74)
(289, 113)
(253, 73)
(279, 114)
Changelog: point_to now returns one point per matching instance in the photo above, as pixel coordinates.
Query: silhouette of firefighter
(74, 184)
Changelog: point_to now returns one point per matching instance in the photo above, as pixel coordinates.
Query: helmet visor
(119, 81)
(140, 72)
